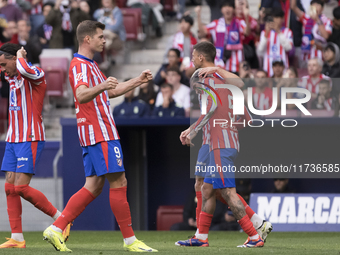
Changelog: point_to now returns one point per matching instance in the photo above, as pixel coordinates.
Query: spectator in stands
(154, 10)
(316, 29)
(168, 107)
(246, 75)
(248, 41)
(335, 36)
(181, 93)
(311, 81)
(84, 6)
(281, 186)
(115, 34)
(11, 11)
(147, 93)
(189, 216)
(174, 60)
(275, 41)
(132, 107)
(290, 20)
(262, 94)
(9, 33)
(324, 99)
(31, 44)
(64, 18)
(331, 66)
(45, 31)
(36, 16)
(289, 79)
(278, 68)
(184, 40)
(227, 33)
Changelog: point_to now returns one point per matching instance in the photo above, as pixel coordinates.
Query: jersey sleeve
(81, 75)
(31, 73)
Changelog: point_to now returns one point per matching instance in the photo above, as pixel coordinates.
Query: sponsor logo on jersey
(81, 120)
(14, 108)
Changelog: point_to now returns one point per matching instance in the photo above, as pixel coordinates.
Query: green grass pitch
(106, 242)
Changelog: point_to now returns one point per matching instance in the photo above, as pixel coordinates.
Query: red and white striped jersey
(94, 119)
(221, 135)
(312, 84)
(263, 100)
(274, 49)
(314, 52)
(233, 63)
(27, 92)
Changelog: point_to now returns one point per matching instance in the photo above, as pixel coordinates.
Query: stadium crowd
(292, 46)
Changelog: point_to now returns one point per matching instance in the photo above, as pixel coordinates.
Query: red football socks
(199, 207)
(205, 222)
(36, 198)
(75, 206)
(121, 209)
(247, 226)
(249, 211)
(14, 208)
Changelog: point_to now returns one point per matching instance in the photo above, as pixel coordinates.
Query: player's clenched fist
(111, 83)
(145, 76)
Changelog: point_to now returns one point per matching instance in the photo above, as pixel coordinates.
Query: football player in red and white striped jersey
(98, 136)
(25, 138)
(222, 139)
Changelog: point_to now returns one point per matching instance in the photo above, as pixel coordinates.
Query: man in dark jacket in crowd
(331, 66)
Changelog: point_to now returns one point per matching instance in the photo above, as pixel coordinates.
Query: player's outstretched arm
(229, 77)
(124, 87)
(85, 94)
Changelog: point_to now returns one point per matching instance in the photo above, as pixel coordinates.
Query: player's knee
(123, 182)
(20, 189)
(198, 185)
(207, 191)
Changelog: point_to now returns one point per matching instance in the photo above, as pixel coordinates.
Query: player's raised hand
(21, 53)
(145, 76)
(198, 9)
(207, 70)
